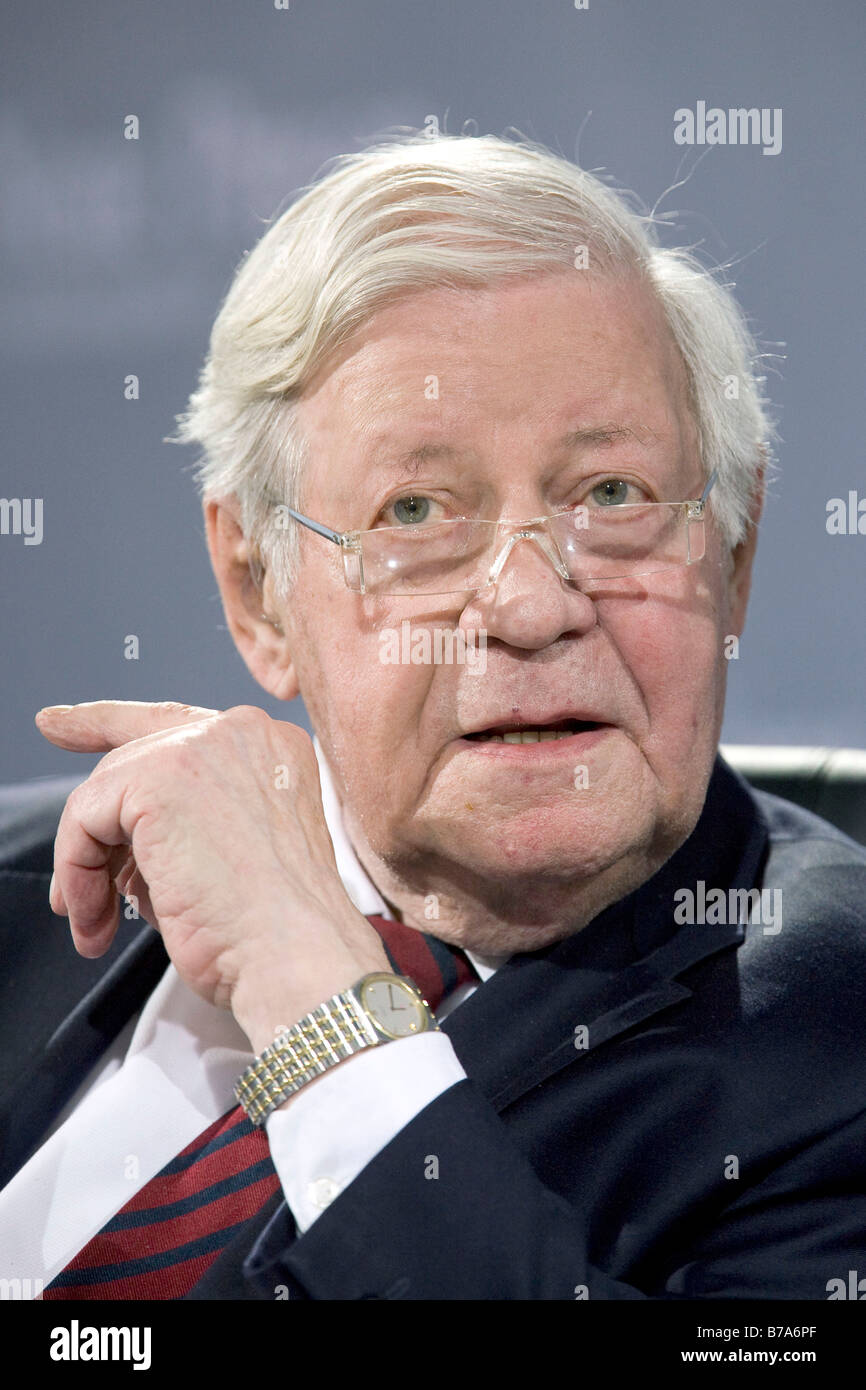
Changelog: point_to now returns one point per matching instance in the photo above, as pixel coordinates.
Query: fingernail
(54, 709)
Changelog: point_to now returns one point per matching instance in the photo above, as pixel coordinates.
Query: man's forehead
(573, 369)
(410, 419)
(535, 324)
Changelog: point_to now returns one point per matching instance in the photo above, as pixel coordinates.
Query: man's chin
(550, 844)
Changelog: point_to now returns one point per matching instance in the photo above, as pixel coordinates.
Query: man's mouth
(537, 733)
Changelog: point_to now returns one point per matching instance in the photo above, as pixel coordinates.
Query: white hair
(416, 213)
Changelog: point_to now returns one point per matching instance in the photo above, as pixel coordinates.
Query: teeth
(535, 735)
(525, 736)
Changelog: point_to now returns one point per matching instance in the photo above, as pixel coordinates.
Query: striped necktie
(163, 1241)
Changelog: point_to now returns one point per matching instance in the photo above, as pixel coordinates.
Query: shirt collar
(356, 881)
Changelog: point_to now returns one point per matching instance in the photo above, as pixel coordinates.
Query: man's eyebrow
(607, 434)
(414, 459)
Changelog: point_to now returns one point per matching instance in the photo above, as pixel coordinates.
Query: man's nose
(528, 604)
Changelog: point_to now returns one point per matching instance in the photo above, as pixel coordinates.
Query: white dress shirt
(170, 1073)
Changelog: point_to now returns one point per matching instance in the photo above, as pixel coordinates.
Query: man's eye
(611, 492)
(409, 511)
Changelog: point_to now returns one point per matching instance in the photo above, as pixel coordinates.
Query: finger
(121, 866)
(99, 725)
(137, 905)
(92, 908)
(130, 884)
(56, 900)
(91, 846)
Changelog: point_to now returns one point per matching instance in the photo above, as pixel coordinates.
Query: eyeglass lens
(591, 543)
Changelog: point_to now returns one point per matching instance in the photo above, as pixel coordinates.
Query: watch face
(394, 1005)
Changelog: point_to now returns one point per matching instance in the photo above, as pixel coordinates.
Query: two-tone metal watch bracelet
(326, 1036)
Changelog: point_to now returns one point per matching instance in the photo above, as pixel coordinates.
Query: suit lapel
(32, 1102)
(601, 1002)
(58, 1011)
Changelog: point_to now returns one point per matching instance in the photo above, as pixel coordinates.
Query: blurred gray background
(116, 255)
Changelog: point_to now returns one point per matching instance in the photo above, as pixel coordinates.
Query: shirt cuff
(334, 1128)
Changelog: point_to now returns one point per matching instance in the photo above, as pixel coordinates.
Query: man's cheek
(667, 642)
(652, 646)
(378, 701)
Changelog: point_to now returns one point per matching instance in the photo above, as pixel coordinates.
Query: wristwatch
(380, 1008)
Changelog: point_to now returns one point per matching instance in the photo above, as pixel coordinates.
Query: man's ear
(256, 631)
(743, 555)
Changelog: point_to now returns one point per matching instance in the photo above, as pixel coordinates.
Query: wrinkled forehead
(455, 374)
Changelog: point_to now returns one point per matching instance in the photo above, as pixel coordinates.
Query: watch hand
(396, 1007)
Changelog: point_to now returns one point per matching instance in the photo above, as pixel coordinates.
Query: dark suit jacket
(707, 1141)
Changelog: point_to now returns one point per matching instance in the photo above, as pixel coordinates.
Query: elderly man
(524, 994)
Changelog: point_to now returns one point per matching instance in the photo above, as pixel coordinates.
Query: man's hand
(214, 822)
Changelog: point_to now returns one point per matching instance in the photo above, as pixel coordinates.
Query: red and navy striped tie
(163, 1241)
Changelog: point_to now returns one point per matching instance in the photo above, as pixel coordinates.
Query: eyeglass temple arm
(336, 536)
(706, 492)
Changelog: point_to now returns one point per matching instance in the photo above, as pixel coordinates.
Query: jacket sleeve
(451, 1209)
(332, 1130)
